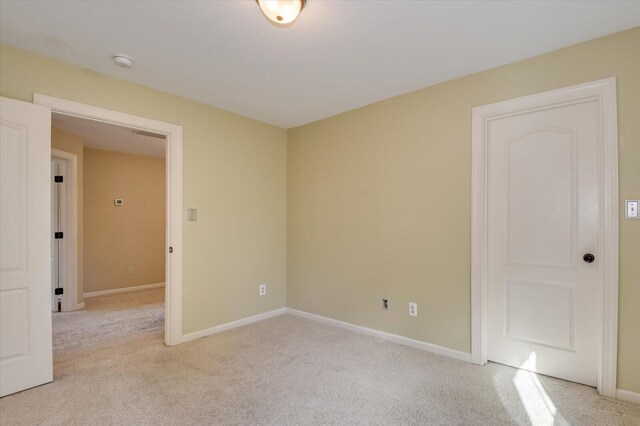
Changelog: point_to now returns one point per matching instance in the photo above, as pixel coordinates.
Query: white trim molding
(424, 346)
(173, 134)
(628, 396)
(232, 324)
(428, 347)
(122, 290)
(604, 93)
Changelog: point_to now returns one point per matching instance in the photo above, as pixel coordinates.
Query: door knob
(589, 258)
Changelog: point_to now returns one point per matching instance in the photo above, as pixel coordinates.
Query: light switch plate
(192, 215)
(631, 209)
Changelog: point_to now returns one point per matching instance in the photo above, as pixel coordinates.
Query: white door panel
(25, 228)
(543, 312)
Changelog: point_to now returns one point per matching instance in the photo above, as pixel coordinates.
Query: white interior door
(544, 303)
(58, 222)
(55, 255)
(25, 242)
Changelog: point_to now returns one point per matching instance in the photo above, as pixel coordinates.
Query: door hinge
(58, 179)
(58, 235)
(58, 290)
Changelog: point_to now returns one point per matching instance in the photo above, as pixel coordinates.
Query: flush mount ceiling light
(122, 61)
(281, 11)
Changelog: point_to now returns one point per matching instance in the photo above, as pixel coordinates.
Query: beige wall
(73, 144)
(379, 200)
(234, 173)
(119, 237)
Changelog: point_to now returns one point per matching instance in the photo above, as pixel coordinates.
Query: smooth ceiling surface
(339, 55)
(110, 137)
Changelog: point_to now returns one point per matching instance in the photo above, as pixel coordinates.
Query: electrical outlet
(413, 309)
(130, 270)
(263, 289)
(385, 304)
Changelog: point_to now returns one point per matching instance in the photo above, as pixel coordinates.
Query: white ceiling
(338, 55)
(110, 137)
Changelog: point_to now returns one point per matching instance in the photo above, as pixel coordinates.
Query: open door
(25, 246)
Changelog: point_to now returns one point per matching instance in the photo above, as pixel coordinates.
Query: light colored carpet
(111, 367)
(109, 319)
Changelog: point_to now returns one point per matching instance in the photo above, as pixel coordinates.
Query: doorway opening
(113, 179)
(165, 140)
(536, 292)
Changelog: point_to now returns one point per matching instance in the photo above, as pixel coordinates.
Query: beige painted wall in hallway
(68, 142)
(117, 238)
(378, 200)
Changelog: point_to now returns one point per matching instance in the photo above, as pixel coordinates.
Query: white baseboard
(625, 395)
(429, 347)
(232, 324)
(123, 290)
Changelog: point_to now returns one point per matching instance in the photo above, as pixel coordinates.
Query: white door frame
(173, 133)
(603, 92)
(70, 297)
